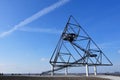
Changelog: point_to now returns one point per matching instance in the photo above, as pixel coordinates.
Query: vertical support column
(95, 70)
(52, 70)
(87, 70)
(66, 71)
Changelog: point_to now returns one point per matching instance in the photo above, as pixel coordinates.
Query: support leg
(52, 70)
(87, 70)
(95, 70)
(66, 71)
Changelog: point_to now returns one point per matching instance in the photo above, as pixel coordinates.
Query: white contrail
(35, 16)
(41, 30)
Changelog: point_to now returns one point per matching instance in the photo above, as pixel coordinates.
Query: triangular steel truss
(76, 48)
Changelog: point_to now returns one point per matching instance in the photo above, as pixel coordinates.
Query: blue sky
(29, 30)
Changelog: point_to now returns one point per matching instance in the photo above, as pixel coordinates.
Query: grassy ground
(48, 78)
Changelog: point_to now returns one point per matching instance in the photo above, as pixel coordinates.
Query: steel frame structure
(76, 48)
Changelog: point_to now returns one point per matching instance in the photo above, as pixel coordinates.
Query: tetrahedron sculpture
(76, 48)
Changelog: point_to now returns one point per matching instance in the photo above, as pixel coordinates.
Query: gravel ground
(109, 77)
(49, 78)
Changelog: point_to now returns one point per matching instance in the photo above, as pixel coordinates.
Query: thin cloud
(44, 59)
(41, 30)
(110, 45)
(119, 51)
(35, 16)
